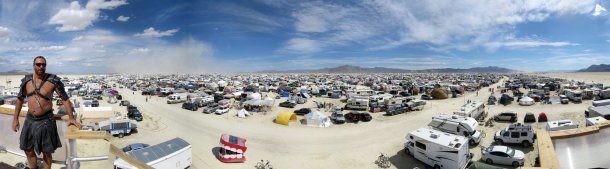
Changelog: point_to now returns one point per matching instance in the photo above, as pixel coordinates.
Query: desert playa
(349, 145)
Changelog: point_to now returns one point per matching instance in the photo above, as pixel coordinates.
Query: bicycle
(263, 165)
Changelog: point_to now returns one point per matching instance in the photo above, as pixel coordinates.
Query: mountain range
(596, 68)
(357, 69)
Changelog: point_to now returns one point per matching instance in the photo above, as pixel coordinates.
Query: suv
(302, 111)
(124, 103)
(564, 99)
(396, 110)
(506, 116)
(516, 134)
(135, 114)
(95, 103)
(287, 104)
(337, 116)
(210, 109)
(190, 106)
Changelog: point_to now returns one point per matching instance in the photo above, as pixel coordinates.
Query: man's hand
(15, 125)
(73, 122)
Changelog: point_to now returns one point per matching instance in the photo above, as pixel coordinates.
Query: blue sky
(187, 36)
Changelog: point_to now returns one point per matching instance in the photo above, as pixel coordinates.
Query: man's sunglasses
(41, 64)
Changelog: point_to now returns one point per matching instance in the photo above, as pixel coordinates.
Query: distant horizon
(129, 36)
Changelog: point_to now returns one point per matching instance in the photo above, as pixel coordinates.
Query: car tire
(489, 161)
(500, 141)
(407, 151)
(496, 119)
(525, 144)
(516, 164)
(121, 135)
(437, 167)
(471, 142)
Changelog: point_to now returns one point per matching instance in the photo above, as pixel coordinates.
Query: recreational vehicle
(396, 101)
(560, 125)
(472, 109)
(380, 98)
(438, 149)
(357, 104)
(176, 98)
(453, 124)
(603, 111)
(574, 95)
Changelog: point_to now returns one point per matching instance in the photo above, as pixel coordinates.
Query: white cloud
(43, 49)
(122, 18)
(152, 33)
(461, 25)
(608, 40)
(301, 46)
(75, 17)
(517, 44)
(599, 10)
(4, 32)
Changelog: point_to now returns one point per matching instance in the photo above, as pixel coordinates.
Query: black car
(135, 114)
(355, 117)
(124, 103)
(365, 117)
(426, 97)
(190, 106)
(135, 146)
(131, 108)
(302, 111)
(396, 110)
(95, 103)
(287, 104)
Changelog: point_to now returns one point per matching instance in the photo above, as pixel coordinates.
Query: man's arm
(18, 106)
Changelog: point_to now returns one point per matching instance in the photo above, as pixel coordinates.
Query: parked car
(145, 92)
(496, 154)
(210, 109)
(302, 111)
(337, 117)
(426, 97)
(516, 134)
(135, 114)
(222, 110)
(564, 99)
(287, 104)
(529, 118)
(190, 106)
(506, 116)
(124, 103)
(87, 97)
(358, 116)
(134, 146)
(396, 110)
(95, 103)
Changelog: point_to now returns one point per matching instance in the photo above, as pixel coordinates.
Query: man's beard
(40, 72)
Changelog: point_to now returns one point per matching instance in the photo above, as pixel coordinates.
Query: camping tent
(242, 113)
(506, 99)
(491, 100)
(526, 101)
(285, 117)
(316, 119)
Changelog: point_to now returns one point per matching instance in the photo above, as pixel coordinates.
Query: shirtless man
(39, 132)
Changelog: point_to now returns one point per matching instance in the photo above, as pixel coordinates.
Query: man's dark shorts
(40, 134)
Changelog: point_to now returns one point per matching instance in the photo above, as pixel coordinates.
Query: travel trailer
(357, 104)
(172, 154)
(574, 95)
(438, 149)
(472, 109)
(560, 125)
(118, 126)
(458, 125)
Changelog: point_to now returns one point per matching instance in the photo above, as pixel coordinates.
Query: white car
(502, 155)
(222, 110)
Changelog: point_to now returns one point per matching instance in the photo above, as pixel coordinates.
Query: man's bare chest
(46, 89)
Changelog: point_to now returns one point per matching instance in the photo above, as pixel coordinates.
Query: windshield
(510, 151)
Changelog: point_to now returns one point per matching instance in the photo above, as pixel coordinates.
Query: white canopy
(243, 113)
(316, 119)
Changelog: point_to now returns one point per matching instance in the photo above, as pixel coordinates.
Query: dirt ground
(299, 146)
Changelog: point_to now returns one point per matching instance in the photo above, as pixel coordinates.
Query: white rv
(176, 98)
(560, 125)
(574, 95)
(172, 154)
(438, 149)
(357, 103)
(472, 109)
(380, 98)
(458, 125)
(395, 101)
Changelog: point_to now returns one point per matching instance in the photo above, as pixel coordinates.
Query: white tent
(316, 119)
(243, 113)
(526, 101)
